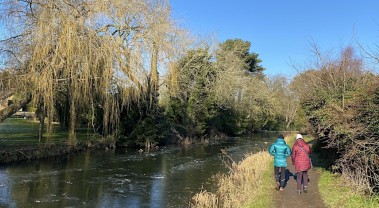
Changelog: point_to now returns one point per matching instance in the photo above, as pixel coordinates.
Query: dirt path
(288, 198)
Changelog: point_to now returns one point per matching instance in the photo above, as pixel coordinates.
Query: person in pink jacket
(301, 161)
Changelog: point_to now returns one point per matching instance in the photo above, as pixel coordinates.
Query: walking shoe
(281, 189)
(298, 192)
(277, 186)
(305, 189)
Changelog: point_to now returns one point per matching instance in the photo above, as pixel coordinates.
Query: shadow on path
(289, 197)
(288, 176)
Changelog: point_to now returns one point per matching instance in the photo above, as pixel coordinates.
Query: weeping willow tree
(75, 56)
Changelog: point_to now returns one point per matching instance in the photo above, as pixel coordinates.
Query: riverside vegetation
(246, 183)
(104, 76)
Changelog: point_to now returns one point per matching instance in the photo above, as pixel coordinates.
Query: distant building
(21, 113)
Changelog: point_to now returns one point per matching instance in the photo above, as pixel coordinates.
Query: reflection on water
(166, 177)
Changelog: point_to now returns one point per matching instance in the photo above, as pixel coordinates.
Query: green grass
(336, 193)
(18, 131)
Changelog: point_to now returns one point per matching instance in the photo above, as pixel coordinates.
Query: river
(165, 177)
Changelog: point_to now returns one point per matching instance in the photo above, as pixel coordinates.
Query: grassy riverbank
(18, 131)
(19, 141)
(247, 185)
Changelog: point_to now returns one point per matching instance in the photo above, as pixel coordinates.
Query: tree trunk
(153, 85)
(41, 117)
(72, 125)
(10, 110)
(40, 128)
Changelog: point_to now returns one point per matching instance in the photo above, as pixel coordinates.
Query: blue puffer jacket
(280, 150)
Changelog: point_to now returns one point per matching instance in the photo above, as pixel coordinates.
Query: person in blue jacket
(280, 150)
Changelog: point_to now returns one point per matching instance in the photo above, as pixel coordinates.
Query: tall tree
(88, 54)
(219, 92)
(241, 84)
(196, 81)
(241, 49)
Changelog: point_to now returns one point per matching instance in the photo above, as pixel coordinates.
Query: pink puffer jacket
(300, 158)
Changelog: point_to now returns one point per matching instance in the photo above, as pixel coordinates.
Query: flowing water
(165, 177)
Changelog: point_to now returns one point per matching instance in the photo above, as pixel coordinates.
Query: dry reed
(240, 186)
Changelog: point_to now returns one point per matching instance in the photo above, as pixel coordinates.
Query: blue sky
(280, 31)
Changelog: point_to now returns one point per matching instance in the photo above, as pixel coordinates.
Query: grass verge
(337, 192)
(264, 198)
(19, 141)
(245, 186)
(18, 131)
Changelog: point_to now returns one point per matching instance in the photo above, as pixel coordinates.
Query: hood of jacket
(280, 141)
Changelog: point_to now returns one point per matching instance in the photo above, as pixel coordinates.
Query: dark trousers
(302, 178)
(280, 175)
